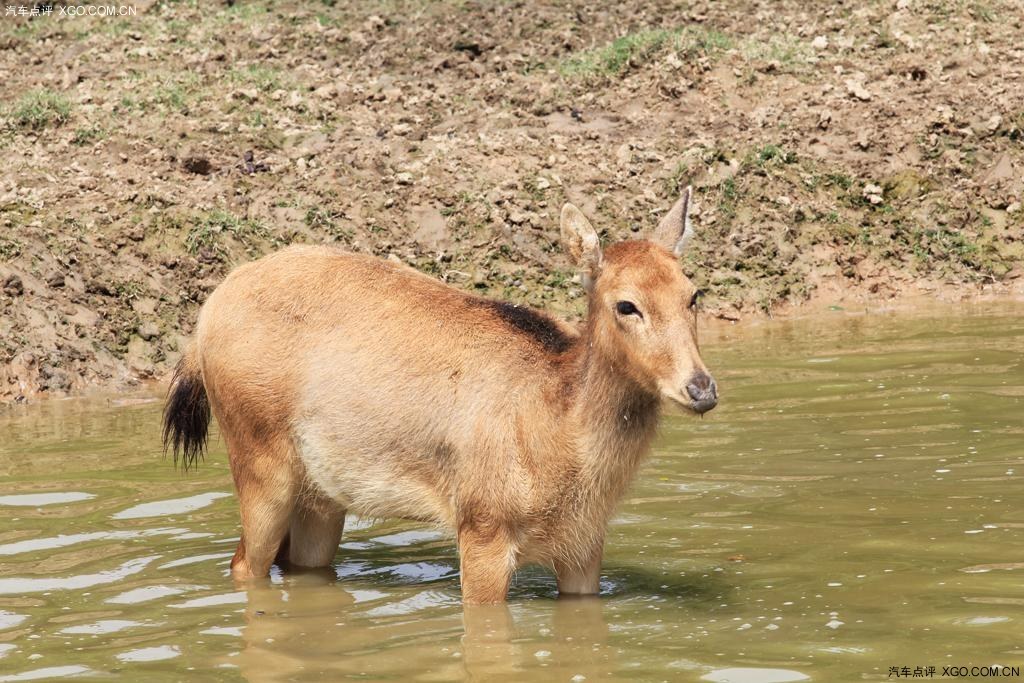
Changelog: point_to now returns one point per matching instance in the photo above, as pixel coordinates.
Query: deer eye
(627, 308)
(695, 299)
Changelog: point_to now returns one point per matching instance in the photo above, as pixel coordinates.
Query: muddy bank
(856, 154)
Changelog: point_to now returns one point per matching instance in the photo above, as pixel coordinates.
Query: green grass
(696, 42)
(255, 119)
(559, 278)
(616, 57)
(634, 49)
(209, 230)
(674, 183)
(241, 11)
(9, 249)
(264, 78)
(320, 219)
(730, 197)
(177, 93)
(127, 290)
(177, 29)
(982, 11)
(534, 189)
(88, 135)
(944, 243)
(38, 109)
(790, 52)
(773, 154)
(840, 180)
(128, 104)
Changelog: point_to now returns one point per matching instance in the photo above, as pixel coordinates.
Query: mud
(844, 154)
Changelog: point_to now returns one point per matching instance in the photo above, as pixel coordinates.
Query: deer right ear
(581, 241)
(674, 231)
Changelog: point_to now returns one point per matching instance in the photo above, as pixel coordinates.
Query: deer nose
(704, 392)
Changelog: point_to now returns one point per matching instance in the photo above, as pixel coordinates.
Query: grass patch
(127, 290)
(942, 243)
(982, 11)
(9, 249)
(176, 93)
(265, 78)
(615, 58)
(209, 231)
(128, 104)
(88, 135)
(706, 41)
(730, 198)
(789, 52)
(177, 29)
(319, 219)
(676, 181)
(773, 154)
(634, 49)
(40, 109)
(241, 11)
(255, 119)
(840, 180)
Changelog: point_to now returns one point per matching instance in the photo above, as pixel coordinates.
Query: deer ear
(674, 231)
(581, 241)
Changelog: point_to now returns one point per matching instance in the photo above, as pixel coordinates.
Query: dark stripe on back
(535, 325)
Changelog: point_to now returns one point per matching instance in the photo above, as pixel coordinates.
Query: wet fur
(186, 419)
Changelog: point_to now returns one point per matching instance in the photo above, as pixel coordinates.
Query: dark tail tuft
(187, 414)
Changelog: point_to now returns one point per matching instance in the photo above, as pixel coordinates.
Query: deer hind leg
(267, 482)
(315, 530)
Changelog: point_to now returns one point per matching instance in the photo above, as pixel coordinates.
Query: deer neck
(617, 418)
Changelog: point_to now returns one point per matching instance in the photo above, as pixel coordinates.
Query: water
(853, 504)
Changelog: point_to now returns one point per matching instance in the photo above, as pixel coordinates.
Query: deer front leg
(581, 578)
(486, 563)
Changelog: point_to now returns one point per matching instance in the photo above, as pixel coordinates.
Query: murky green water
(855, 503)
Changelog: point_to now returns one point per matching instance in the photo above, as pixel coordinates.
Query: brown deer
(345, 382)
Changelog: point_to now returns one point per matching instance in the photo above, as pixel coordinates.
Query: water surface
(853, 504)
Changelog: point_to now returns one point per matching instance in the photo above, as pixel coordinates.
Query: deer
(346, 383)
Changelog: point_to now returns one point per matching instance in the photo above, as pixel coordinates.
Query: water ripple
(17, 586)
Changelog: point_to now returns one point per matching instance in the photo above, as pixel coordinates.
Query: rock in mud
(250, 166)
(54, 379)
(198, 165)
(13, 285)
(857, 89)
(873, 193)
(97, 286)
(149, 331)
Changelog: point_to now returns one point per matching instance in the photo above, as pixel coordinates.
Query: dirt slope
(856, 150)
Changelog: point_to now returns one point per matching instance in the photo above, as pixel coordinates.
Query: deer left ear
(674, 231)
(582, 243)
